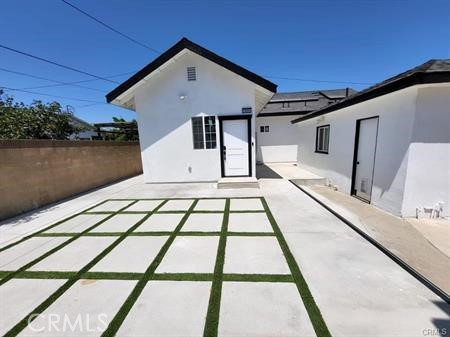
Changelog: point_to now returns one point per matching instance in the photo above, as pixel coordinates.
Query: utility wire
(60, 84)
(88, 105)
(76, 82)
(158, 52)
(46, 79)
(56, 64)
(57, 96)
(318, 81)
(111, 28)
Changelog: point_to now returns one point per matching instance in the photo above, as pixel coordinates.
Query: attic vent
(191, 74)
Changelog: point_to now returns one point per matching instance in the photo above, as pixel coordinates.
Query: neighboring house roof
(184, 43)
(75, 121)
(433, 71)
(302, 102)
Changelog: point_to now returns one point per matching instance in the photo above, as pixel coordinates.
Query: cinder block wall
(34, 173)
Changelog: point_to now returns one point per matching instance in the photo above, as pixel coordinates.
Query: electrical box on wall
(247, 110)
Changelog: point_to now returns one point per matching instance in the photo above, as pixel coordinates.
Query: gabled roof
(184, 43)
(432, 71)
(302, 102)
(312, 94)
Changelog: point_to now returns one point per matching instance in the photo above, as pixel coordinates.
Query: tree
(127, 133)
(35, 121)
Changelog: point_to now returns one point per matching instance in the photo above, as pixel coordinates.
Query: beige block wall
(34, 173)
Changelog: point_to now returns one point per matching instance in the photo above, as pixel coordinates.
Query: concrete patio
(248, 262)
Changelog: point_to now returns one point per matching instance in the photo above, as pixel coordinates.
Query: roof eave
(402, 83)
(285, 113)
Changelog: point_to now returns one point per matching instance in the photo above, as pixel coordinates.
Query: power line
(56, 96)
(76, 82)
(46, 79)
(318, 81)
(55, 63)
(111, 28)
(87, 105)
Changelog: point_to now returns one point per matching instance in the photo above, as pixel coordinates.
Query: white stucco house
(202, 117)
(389, 144)
(196, 115)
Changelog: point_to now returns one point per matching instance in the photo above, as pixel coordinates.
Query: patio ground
(247, 262)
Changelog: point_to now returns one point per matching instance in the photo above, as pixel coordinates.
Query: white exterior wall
(280, 144)
(428, 176)
(396, 123)
(164, 120)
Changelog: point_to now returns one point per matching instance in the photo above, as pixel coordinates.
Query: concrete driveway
(190, 260)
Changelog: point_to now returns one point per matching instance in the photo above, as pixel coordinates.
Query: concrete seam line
(212, 315)
(311, 307)
(57, 248)
(15, 330)
(25, 238)
(421, 278)
(122, 313)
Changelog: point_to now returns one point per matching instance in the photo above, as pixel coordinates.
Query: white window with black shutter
(322, 138)
(204, 132)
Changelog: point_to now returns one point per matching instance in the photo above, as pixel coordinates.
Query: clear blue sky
(355, 41)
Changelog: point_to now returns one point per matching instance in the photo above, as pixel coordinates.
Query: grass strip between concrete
(212, 316)
(217, 278)
(60, 246)
(157, 233)
(182, 277)
(120, 316)
(311, 307)
(25, 238)
(14, 331)
(157, 276)
(258, 278)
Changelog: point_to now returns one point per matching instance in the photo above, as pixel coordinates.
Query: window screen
(197, 132)
(322, 138)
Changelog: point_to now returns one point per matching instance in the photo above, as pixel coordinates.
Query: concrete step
(310, 181)
(239, 182)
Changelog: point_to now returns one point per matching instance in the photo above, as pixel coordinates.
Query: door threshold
(361, 199)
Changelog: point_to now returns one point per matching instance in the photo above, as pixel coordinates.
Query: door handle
(357, 163)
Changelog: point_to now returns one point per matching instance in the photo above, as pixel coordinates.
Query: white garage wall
(396, 120)
(428, 176)
(165, 121)
(280, 144)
